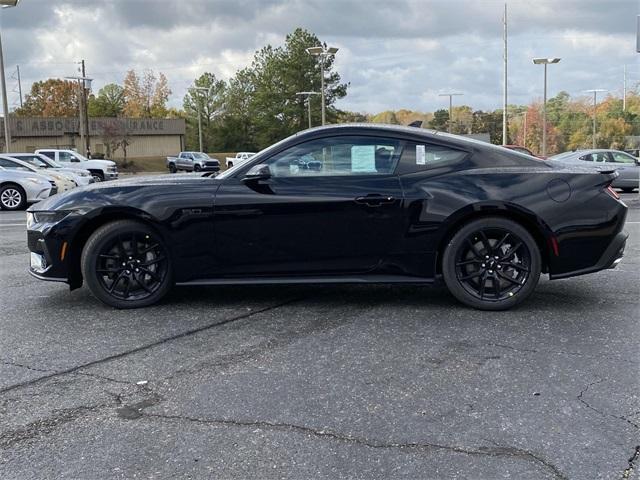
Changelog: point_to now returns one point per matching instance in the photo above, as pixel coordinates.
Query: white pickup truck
(240, 157)
(101, 170)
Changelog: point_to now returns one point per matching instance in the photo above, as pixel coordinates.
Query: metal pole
(19, 84)
(504, 100)
(544, 115)
(199, 122)
(450, 111)
(322, 86)
(525, 129)
(594, 119)
(81, 113)
(5, 103)
(86, 112)
(309, 109)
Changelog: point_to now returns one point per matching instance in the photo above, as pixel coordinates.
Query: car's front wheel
(12, 197)
(491, 264)
(126, 265)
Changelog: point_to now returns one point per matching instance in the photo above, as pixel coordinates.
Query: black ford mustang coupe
(338, 204)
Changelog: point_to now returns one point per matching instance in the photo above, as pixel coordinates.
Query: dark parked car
(338, 204)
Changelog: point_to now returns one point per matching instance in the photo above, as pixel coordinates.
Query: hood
(21, 176)
(102, 163)
(119, 191)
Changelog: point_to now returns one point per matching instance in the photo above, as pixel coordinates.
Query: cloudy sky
(395, 53)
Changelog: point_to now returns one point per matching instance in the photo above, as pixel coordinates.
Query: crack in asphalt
(499, 451)
(631, 466)
(600, 412)
(147, 346)
(21, 365)
(47, 425)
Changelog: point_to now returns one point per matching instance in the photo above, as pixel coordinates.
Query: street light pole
(450, 95)
(307, 96)
(5, 103)
(595, 103)
(199, 104)
(545, 62)
(322, 53)
(83, 126)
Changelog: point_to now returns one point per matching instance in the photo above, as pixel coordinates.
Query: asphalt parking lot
(307, 382)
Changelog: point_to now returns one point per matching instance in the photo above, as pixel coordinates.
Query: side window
(587, 158)
(12, 165)
(620, 157)
(51, 155)
(65, 156)
(418, 157)
(338, 156)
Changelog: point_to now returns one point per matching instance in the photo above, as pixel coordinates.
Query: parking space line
(13, 224)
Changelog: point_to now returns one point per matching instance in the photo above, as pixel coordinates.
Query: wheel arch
(79, 239)
(533, 224)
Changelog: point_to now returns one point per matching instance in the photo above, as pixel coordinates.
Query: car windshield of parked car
(14, 165)
(337, 156)
(35, 161)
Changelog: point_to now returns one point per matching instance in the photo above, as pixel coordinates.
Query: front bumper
(111, 175)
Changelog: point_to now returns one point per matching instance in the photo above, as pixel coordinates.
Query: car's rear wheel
(491, 264)
(12, 197)
(127, 265)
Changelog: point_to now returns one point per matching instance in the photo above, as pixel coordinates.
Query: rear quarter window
(419, 157)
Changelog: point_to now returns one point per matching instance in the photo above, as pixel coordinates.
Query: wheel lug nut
(490, 271)
(483, 265)
(137, 269)
(123, 264)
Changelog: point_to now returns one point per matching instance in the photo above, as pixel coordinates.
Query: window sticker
(363, 158)
(420, 155)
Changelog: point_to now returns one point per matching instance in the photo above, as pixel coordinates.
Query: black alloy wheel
(126, 265)
(492, 264)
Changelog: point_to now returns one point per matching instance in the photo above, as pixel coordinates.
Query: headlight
(46, 217)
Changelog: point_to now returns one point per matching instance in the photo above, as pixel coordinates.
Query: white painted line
(24, 224)
(632, 223)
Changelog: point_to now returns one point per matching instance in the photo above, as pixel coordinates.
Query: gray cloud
(395, 54)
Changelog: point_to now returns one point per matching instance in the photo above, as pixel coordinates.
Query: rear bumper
(609, 259)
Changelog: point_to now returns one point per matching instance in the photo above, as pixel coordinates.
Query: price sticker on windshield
(421, 158)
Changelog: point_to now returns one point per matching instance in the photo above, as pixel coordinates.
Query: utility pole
(19, 84)
(504, 100)
(199, 104)
(450, 95)
(545, 62)
(86, 111)
(595, 92)
(307, 97)
(5, 104)
(82, 82)
(322, 53)
(524, 138)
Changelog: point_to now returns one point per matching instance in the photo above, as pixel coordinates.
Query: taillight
(612, 192)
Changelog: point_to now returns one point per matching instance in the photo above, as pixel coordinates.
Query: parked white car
(80, 176)
(18, 188)
(62, 182)
(101, 170)
(240, 157)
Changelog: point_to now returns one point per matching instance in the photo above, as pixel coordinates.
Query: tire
(172, 168)
(196, 168)
(97, 176)
(12, 197)
(494, 252)
(126, 264)
(627, 190)
(229, 165)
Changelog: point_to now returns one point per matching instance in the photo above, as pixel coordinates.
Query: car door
(627, 167)
(331, 205)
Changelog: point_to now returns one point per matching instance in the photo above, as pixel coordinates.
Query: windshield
(200, 156)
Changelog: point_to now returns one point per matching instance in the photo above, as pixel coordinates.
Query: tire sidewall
(89, 258)
(23, 198)
(456, 242)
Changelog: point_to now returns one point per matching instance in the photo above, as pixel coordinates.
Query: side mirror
(257, 172)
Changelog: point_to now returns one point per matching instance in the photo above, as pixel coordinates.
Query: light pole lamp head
(315, 50)
(544, 61)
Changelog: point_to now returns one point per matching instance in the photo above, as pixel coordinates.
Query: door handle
(375, 200)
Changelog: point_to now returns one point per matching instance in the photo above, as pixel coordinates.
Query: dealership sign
(56, 127)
